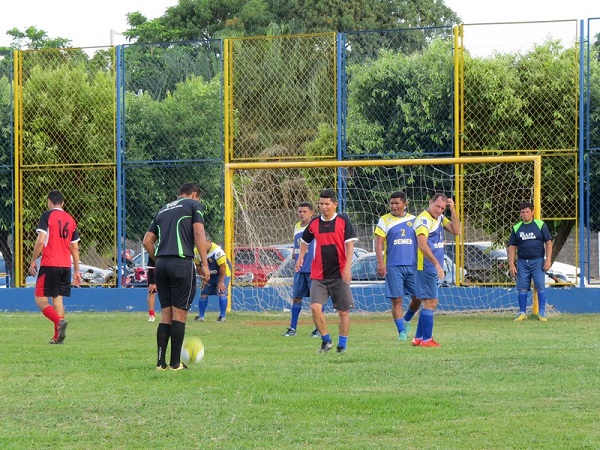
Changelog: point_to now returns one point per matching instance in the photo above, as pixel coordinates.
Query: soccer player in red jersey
(58, 243)
(330, 270)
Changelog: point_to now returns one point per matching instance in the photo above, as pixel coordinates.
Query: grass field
(495, 384)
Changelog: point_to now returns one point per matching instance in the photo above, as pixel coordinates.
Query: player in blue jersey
(218, 283)
(395, 247)
(429, 228)
(301, 284)
(531, 241)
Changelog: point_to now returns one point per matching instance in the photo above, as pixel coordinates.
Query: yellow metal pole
(18, 276)
(537, 198)
(228, 150)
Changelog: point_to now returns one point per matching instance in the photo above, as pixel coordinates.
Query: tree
(208, 19)
(33, 39)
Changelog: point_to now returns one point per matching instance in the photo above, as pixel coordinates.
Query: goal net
(262, 199)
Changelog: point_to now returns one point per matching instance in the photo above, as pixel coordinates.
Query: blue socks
(399, 324)
(542, 302)
(296, 308)
(202, 305)
(223, 306)
(522, 296)
(343, 340)
(409, 315)
(426, 322)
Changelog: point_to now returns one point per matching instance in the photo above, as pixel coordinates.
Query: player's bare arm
(379, 240)
(200, 240)
(511, 260)
(148, 243)
(347, 273)
(454, 225)
(548, 261)
(37, 251)
(74, 247)
(301, 252)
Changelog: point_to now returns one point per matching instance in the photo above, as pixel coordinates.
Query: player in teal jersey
(395, 247)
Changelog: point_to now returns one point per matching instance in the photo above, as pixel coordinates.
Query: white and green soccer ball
(192, 351)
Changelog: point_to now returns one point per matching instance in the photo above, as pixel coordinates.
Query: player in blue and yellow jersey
(218, 283)
(429, 228)
(301, 284)
(395, 247)
(532, 240)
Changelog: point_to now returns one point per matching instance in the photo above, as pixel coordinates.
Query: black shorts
(175, 281)
(53, 282)
(150, 275)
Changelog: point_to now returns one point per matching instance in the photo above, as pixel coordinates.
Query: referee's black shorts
(175, 281)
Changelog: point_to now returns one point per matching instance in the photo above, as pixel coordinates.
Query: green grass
(494, 384)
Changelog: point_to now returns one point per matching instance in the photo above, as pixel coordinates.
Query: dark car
(482, 263)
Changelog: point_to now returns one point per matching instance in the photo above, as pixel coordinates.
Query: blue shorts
(211, 288)
(399, 281)
(427, 284)
(529, 270)
(301, 286)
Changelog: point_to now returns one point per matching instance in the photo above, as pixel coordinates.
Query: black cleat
(325, 347)
(62, 331)
(341, 349)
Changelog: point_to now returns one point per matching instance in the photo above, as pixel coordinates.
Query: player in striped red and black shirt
(330, 271)
(57, 242)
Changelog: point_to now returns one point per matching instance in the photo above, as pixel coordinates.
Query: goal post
(261, 199)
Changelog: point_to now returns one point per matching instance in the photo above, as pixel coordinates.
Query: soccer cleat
(151, 318)
(341, 349)
(315, 333)
(290, 332)
(430, 343)
(542, 317)
(221, 319)
(62, 328)
(402, 336)
(199, 319)
(161, 367)
(325, 347)
(416, 342)
(407, 327)
(54, 341)
(181, 366)
(521, 317)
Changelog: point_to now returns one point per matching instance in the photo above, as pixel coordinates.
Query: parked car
(255, 264)
(90, 276)
(487, 264)
(4, 278)
(364, 267)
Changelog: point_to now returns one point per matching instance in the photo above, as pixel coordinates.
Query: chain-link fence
(177, 106)
(66, 140)
(6, 168)
(281, 97)
(398, 89)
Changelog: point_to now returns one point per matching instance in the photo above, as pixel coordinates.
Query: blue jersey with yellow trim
(308, 257)
(434, 230)
(400, 239)
(215, 256)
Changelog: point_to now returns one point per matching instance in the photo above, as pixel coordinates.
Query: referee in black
(170, 242)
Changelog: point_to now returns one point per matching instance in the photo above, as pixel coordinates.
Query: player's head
(437, 205)
(398, 203)
(304, 211)
(526, 211)
(328, 203)
(55, 198)
(191, 190)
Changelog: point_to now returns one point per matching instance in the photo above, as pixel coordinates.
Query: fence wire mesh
(282, 97)
(399, 87)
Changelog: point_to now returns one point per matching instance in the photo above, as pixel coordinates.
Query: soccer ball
(192, 351)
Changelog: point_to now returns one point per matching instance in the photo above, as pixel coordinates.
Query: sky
(89, 23)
